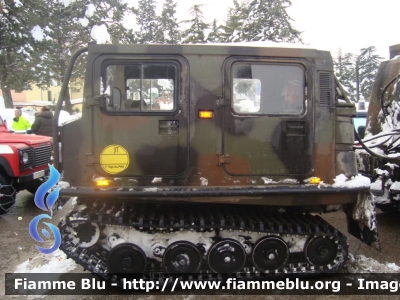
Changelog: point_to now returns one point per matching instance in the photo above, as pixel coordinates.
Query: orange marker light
(206, 114)
(103, 182)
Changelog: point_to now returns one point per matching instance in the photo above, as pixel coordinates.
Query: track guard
(361, 220)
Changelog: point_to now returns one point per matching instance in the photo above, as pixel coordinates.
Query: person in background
(19, 122)
(43, 124)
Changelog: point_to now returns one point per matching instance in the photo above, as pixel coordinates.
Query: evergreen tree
(111, 13)
(68, 29)
(215, 35)
(169, 27)
(195, 33)
(148, 22)
(18, 21)
(267, 20)
(64, 34)
(368, 66)
(231, 31)
(345, 72)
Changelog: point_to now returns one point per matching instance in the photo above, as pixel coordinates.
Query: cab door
(268, 118)
(141, 126)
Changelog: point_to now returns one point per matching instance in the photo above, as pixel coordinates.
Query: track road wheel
(87, 233)
(7, 193)
(226, 256)
(270, 254)
(182, 257)
(127, 258)
(321, 251)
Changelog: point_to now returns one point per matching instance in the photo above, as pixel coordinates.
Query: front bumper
(33, 176)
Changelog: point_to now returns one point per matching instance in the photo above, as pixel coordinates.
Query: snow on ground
(363, 264)
(56, 262)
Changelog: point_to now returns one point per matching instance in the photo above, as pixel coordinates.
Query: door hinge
(96, 100)
(223, 159)
(221, 102)
(91, 159)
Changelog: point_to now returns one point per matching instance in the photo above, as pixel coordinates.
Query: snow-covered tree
(19, 21)
(169, 25)
(111, 13)
(196, 32)
(232, 30)
(148, 22)
(215, 34)
(345, 72)
(68, 29)
(268, 20)
(368, 66)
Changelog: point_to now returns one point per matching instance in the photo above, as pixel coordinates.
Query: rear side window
(268, 89)
(140, 87)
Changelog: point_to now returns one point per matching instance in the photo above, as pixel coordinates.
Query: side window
(140, 87)
(268, 89)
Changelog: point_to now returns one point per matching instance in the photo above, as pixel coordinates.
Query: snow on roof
(266, 44)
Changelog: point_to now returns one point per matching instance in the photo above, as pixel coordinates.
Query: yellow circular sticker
(114, 159)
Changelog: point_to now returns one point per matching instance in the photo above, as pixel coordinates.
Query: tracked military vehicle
(379, 156)
(209, 160)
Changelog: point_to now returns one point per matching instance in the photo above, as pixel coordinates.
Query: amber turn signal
(206, 114)
(102, 182)
(315, 180)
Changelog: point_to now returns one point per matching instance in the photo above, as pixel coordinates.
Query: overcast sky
(328, 24)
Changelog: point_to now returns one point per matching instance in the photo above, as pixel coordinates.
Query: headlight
(25, 157)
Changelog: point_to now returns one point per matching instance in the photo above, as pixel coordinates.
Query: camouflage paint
(230, 150)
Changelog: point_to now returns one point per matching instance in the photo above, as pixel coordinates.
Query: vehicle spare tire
(7, 193)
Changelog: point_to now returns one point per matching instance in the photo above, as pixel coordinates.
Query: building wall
(18, 96)
(52, 94)
(37, 94)
(37, 98)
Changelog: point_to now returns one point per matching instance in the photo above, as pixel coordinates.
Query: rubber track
(158, 218)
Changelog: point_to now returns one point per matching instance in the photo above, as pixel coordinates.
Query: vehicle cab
(24, 160)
